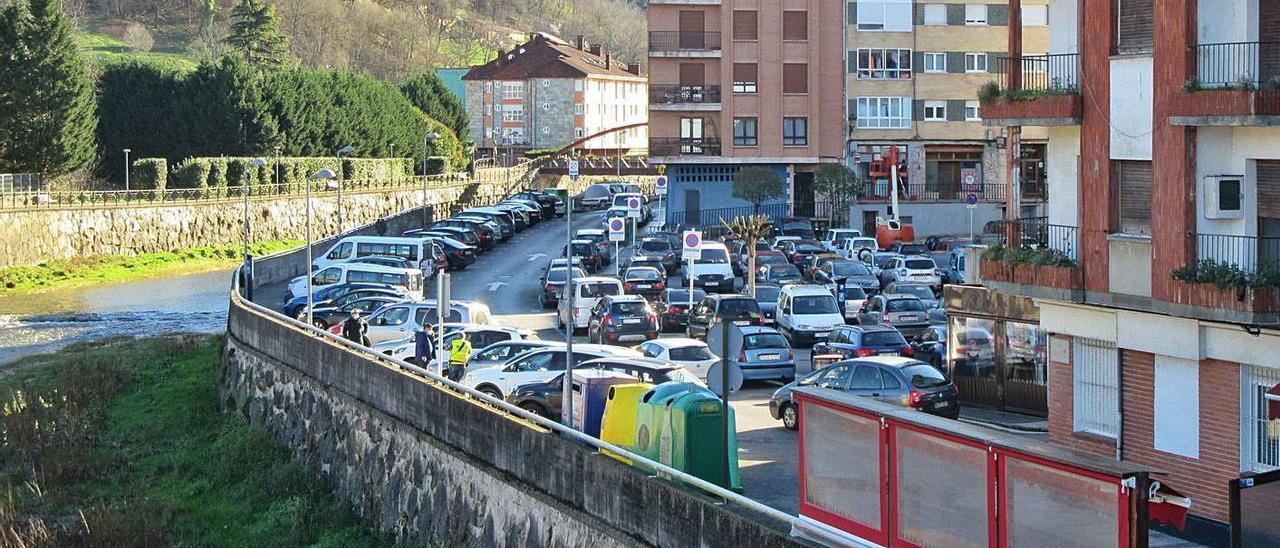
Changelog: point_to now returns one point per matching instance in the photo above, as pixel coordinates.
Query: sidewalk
(1001, 419)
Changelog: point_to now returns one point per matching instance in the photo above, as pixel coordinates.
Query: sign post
(691, 252)
(617, 234)
(566, 389)
(633, 213)
(442, 313)
(971, 203)
(660, 188)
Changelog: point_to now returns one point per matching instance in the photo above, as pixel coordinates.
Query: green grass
(133, 447)
(19, 280)
(101, 49)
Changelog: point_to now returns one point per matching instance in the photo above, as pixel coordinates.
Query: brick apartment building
(1165, 156)
(548, 93)
(738, 83)
(914, 69)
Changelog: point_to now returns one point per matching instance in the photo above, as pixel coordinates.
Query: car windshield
(905, 305)
(691, 353)
(771, 259)
(713, 256)
(655, 245)
(583, 249)
(642, 274)
(810, 248)
(596, 238)
(924, 376)
(883, 338)
(918, 290)
(846, 269)
(681, 296)
(911, 249)
(815, 304)
(784, 272)
(767, 294)
(757, 341)
(560, 275)
(738, 307)
(600, 290)
(629, 309)
(680, 375)
(921, 264)
(854, 292)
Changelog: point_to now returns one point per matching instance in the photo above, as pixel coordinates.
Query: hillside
(389, 39)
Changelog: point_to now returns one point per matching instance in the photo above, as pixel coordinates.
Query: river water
(45, 322)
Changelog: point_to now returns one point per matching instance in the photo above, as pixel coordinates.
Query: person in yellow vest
(459, 355)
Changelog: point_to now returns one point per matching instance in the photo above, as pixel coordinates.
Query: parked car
(588, 252)
(765, 355)
(919, 269)
(836, 236)
(338, 295)
(483, 237)
(778, 274)
(401, 320)
(767, 296)
(643, 369)
(904, 312)
(325, 316)
(922, 291)
(802, 252)
(803, 228)
(458, 255)
(502, 352)
(481, 337)
(712, 271)
(589, 291)
(410, 279)
(673, 308)
(931, 347)
(807, 313)
(661, 249)
(463, 235)
(855, 274)
(536, 366)
(393, 262)
(552, 282)
(647, 282)
(860, 248)
(740, 309)
(854, 298)
(544, 398)
(622, 318)
(890, 379)
(909, 248)
(860, 341)
(601, 239)
(691, 354)
(647, 262)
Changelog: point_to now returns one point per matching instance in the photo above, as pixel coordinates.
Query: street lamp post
(393, 150)
(345, 150)
(126, 169)
(277, 183)
(426, 143)
(255, 164)
(325, 174)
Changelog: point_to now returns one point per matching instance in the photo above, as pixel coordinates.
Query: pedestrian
(424, 350)
(459, 355)
(354, 328)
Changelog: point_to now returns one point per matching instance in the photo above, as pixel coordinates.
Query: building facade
(1163, 308)
(548, 93)
(735, 83)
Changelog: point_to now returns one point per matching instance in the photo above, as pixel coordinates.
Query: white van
(714, 271)
(807, 313)
(836, 236)
(355, 247)
(408, 278)
(620, 202)
(589, 290)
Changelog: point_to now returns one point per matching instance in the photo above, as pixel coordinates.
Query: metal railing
(675, 40)
(669, 94)
(880, 191)
(666, 146)
(1038, 233)
(1251, 254)
(1240, 64)
(1056, 72)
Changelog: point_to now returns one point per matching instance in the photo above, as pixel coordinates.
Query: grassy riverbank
(120, 268)
(121, 443)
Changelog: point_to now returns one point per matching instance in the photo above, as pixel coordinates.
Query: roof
(678, 342)
(625, 298)
(649, 363)
(808, 289)
(546, 56)
(754, 330)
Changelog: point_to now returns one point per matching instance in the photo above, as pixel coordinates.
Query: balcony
(676, 43)
(1041, 261)
(1236, 84)
(669, 147)
(684, 2)
(879, 191)
(1049, 94)
(684, 98)
(1235, 278)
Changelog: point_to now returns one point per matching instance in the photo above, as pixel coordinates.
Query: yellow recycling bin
(618, 426)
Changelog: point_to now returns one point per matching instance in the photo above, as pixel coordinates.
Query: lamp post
(325, 174)
(427, 140)
(344, 150)
(277, 183)
(255, 164)
(126, 169)
(393, 150)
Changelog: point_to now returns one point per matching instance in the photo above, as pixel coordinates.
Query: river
(47, 321)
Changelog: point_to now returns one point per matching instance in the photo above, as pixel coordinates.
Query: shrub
(138, 37)
(989, 92)
(1226, 275)
(150, 173)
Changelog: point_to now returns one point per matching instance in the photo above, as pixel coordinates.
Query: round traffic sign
(633, 203)
(692, 240)
(971, 198)
(662, 182)
(615, 224)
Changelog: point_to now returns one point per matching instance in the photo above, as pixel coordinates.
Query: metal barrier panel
(1256, 510)
(943, 490)
(1049, 505)
(842, 471)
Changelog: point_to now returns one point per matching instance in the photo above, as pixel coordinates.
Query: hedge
(150, 174)
(221, 173)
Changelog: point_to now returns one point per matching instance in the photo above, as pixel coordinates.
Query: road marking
(536, 256)
(496, 286)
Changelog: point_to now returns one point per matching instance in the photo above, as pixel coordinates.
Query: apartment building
(548, 93)
(1163, 310)
(741, 83)
(913, 72)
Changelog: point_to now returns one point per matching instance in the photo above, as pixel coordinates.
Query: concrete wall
(1063, 165)
(436, 468)
(1131, 100)
(1232, 151)
(936, 219)
(1064, 26)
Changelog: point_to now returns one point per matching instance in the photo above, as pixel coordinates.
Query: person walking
(354, 328)
(459, 355)
(424, 350)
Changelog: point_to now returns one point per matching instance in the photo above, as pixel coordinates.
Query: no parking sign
(660, 187)
(617, 230)
(633, 208)
(692, 245)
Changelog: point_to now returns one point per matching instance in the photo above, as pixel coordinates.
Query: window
(744, 132)
(746, 25)
(1260, 442)
(1035, 16)
(866, 377)
(884, 63)
(513, 114)
(935, 111)
(1135, 196)
(885, 16)
(795, 25)
(577, 109)
(1095, 387)
(513, 90)
(1136, 26)
(935, 62)
(935, 14)
(744, 77)
(884, 112)
(972, 111)
(975, 14)
(1176, 406)
(795, 132)
(975, 62)
(795, 78)
(578, 133)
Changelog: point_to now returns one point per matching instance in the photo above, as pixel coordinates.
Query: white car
(836, 236)
(918, 269)
(536, 366)
(402, 320)
(482, 336)
(856, 248)
(410, 279)
(777, 242)
(691, 354)
(712, 272)
(807, 313)
(589, 290)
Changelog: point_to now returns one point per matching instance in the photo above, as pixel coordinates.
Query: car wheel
(535, 408)
(319, 323)
(790, 417)
(491, 391)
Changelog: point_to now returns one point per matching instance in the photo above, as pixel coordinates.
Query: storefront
(997, 353)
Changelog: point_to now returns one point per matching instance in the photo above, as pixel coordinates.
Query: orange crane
(892, 229)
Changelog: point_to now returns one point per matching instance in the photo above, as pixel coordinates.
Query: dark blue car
(858, 341)
(931, 347)
(296, 307)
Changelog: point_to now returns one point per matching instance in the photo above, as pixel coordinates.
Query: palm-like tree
(749, 229)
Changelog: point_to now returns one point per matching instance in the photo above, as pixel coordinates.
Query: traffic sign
(633, 208)
(969, 178)
(573, 169)
(971, 200)
(661, 186)
(617, 229)
(692, 245)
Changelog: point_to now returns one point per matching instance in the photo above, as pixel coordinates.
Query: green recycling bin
(681, 426)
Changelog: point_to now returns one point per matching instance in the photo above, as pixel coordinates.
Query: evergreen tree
(48, 112)
(225, 108)
(256, 35)
(428, 92)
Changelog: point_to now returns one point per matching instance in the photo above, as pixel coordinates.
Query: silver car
(766, 355)
(904, 312)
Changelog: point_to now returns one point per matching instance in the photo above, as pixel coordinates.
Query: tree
(427, 92)
(839, 184)
(750, 230)
(256, 35)
(757, 185)
(48, 112)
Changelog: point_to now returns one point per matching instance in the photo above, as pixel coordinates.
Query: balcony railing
(1057, 72)
(1238, 64)
(684, 147)
(879, 191)
(1036, 233)
(1250, 255)
(664, 94)
(674, 40)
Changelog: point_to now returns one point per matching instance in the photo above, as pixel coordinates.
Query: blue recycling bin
(590, 394)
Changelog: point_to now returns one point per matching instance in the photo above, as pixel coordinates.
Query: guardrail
(675, 94)
(1037, 233)
(668, 146)
(1250, 254)
(1244, 64)
(1054, 72)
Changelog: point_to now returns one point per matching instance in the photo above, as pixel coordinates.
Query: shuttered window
(1136, 26)
(1269, 188)
(1095, 387)
(795, 25)
(795, 78)
(1135, 196)
(745, 25)
(744, 77)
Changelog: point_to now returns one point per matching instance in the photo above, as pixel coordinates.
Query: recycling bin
(590, 393)
(681, 426)
(618, 426)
